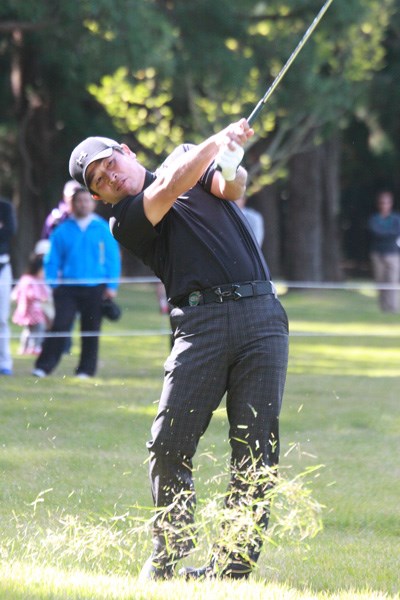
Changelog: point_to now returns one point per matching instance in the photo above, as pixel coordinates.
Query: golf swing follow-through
(258, 108)
(230, 335)
(220, 162)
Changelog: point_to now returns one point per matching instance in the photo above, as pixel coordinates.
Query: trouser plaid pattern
(239, 348)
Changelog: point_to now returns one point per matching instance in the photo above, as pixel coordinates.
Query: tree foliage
(223, 65)
(158, 72)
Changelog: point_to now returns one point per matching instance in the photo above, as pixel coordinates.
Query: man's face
(385, 203)
(82, 205)
(114, 177)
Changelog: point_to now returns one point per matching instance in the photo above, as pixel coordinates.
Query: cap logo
(81, 158)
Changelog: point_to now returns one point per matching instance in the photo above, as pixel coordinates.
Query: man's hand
(228, 161)
(109, 293)
(230, 154)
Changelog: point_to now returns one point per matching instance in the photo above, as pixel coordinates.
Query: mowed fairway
(74, 492)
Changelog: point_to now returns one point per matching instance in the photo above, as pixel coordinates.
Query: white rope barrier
(280, 284)
(332, 285)
(163, 332)
(311, 285)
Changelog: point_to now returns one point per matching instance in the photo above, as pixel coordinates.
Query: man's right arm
(187, 169)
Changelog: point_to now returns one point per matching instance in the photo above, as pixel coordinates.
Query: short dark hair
(35, 263)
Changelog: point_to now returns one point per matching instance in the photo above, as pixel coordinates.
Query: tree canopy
(159, 72)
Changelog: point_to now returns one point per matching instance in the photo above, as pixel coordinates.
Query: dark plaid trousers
(68, 301)
(239, 348)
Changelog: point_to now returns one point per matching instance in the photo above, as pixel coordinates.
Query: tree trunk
(33, 148)
(312, 248)
(267, 202)
(303, 227)
(331, 247)
(33, 141)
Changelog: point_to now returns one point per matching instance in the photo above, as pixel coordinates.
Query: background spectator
(384, 227)
(58, 215)
(254, 218)
(31, 295)
(62, 211)
(7, 230)
(82, 248)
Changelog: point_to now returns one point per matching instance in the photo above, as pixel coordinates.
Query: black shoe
(153, 569)
(205, 572)
(210, 572)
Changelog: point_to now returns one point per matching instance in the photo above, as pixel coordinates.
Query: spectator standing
(384, 227)
(81, 249)
(31, 295)
(8, 228)
(58, 215)
(254, 218)
(62, 211)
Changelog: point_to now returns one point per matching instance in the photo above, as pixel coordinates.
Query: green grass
(73, 473)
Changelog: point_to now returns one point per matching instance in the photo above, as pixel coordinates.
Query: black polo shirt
(203, 241)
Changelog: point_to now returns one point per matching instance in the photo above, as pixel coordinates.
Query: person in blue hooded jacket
(83, 267)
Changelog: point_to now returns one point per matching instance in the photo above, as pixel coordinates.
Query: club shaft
(289, 62)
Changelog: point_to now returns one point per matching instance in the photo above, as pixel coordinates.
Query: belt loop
(254, 286)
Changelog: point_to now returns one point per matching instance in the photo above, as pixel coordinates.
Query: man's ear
(96, 197)
(127, 150)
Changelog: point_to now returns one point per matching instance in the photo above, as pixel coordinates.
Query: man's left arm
(229, 190)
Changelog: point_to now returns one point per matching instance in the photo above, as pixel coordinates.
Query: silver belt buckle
(220, 294)
(232, 293)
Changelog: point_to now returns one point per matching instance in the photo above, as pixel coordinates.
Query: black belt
(222, 293)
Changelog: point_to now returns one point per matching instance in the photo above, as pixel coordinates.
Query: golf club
(288, 64)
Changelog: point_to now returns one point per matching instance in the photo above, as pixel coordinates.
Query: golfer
(230, 331)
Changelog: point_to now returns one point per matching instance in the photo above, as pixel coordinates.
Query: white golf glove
(228, 161)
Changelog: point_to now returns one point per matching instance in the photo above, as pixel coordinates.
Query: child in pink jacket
(32, 296)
